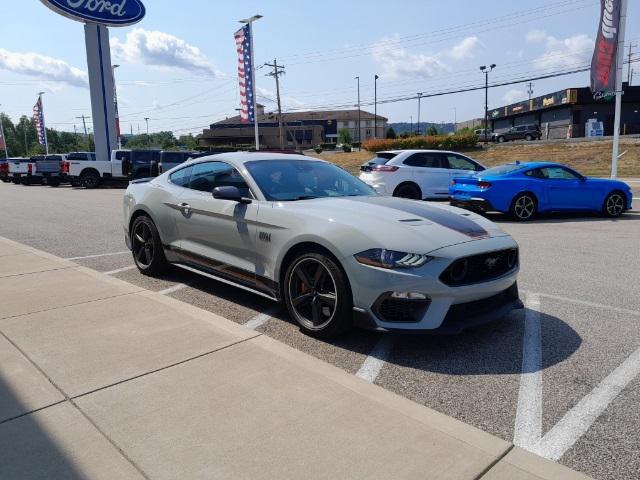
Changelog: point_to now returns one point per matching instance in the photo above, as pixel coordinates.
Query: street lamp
(146, 119)
(484, 69)
(359, 128)
(411, 129)
(115, 105)
(249, 21)
(419, 97)
(375, 106)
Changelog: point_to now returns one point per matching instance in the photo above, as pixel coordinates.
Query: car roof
(240, 158)
(419, 150)
(539, 164)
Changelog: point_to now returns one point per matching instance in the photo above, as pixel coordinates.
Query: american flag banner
(245, 74)
(3, 143)
(38, 118)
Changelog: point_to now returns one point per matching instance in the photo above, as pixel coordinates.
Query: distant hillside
(405, 127)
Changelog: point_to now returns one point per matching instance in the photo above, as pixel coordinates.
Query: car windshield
(288, 180)
(502, 169)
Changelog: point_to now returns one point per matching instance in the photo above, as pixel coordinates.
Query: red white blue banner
(603, 64)
(38, 119)
(245, 74)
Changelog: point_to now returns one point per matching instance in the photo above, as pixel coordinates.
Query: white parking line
(528, 425)
(100, 255)
(175, 288)
(120, 270)
(579, 419)
(261, 318)
(588, 304)
(372, 366)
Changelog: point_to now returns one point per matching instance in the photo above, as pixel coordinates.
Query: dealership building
(301, 129)
(566, 114)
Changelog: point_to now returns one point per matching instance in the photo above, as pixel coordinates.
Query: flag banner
(245, 75)
(38, 119)
(603, 64)
(3, 143)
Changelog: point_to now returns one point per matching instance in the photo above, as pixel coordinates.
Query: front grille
(480, 268)
(391, 309)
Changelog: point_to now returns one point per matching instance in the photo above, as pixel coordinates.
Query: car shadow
(563, 218)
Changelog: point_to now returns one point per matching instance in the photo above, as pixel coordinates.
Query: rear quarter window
(181, 177)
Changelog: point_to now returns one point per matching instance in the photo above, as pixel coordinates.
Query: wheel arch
(90, 169)
(408, 182)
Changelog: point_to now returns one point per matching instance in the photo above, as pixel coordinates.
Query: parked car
(76, 158)
(521, 132)
(417, 174)
(484, 134)
(24, 171)
(307, 233)
(50, 168)
(4, 170)
(18, 167)
(525, 189)
(123, 166)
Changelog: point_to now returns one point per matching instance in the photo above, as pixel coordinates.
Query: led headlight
(380, 257)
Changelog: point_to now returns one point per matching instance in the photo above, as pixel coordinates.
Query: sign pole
(255, 90)
(619, 65)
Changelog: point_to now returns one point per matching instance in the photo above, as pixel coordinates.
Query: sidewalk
(102, 379)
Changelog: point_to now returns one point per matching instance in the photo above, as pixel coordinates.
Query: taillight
(29, 168)
(484, 185)
(384, 168)
(160, 169)
(64, 166)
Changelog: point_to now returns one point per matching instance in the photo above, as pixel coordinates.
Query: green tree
(391, 133)
(344, 137)
(432, 130)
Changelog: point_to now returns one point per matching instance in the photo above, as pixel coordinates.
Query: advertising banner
(603, 64)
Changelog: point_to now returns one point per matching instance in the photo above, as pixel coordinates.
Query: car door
(565, 189)
(461, 166)
(217, 234)
(430, 171)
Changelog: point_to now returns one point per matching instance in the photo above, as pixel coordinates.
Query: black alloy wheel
(90, 179)
(146, 247)
(614, 205)
(408, 190)
(524, 207)
(318, 296)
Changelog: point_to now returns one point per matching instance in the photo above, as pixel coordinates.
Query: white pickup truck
(23, 170)
(123, 166)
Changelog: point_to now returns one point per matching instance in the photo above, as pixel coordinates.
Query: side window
(425, 160)
(558, 173)
(181, 177)
(537, 173)
(458, 162)
(414, 160)
(207, 176)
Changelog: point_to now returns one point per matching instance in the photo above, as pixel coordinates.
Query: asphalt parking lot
(561, 378)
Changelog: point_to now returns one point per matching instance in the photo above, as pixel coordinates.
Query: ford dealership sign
(115, 13)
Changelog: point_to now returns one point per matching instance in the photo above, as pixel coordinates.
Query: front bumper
(448, 309)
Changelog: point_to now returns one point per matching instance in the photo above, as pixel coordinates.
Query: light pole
(419, 97)
(455, 120)
(411, 130)
(146, 119)
(359, 128)
(115, 105)
(484, 69)
(375, 106)
(249, 21)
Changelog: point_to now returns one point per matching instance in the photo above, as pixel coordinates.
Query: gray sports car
(304, 232)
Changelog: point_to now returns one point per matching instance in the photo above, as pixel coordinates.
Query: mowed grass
(589, 158)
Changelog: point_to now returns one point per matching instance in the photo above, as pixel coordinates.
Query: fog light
(409, 295)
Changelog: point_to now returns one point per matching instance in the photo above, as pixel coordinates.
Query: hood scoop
(414, 222)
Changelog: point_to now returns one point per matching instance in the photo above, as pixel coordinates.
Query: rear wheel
(523, 207)
(614, 205)
(408, 190)
(53, 182)
(528, 137)
(317, 295)
(501, 139)
(90, 179)
(146, 247)
(25, 181)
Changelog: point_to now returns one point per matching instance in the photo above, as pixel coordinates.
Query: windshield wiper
(301, 197)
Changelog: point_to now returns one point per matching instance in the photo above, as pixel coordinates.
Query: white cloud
(159, 49)
(565, 53)
(43, 67)
(513, 96)
(536, 36)
(396, 61)
(466, 48)
(268, 99)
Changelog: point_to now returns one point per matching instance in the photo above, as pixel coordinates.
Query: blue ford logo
(117, 13)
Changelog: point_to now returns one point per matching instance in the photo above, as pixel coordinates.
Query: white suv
(417, 174)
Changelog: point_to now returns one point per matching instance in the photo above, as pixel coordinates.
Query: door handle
(185, 208)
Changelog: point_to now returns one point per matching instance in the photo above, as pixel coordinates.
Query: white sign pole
(619, 65)
(101, 88)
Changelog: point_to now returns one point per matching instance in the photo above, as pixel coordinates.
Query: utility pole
(115, 105)
(375, 108)
(359, 126)
(146, 119)
(486, 71)
(277, 71)
(630, 71)
(455, 120)
(411, 130)
(84, 125)
(530, 89)
(419, 97)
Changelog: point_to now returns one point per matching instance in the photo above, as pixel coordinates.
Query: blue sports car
(525, 189)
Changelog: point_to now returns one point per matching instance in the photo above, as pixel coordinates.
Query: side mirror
(230, 193)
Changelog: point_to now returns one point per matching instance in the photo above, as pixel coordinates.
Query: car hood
(398, 223)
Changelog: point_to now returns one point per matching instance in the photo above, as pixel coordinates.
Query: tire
(146, 247)
(524, 207)
(15, 181)
(75, 182)
(528, 137)
(408, 190)
(25, 181)
(501, 139)
(90, 179)
(53, 182)
(614, 204)
(322, 305)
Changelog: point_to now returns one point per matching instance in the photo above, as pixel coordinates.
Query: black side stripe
(449, 220)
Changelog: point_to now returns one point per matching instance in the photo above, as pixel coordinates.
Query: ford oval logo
(116, 13)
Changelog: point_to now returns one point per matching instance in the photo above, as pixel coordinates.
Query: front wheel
(501, 139)
(528, 138)
(614, 205)
(317, 295)
(146, 247)
(524, 207)
(408, 190)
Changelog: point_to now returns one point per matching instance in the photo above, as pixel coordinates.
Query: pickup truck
(23, 170)
(123, 166)
(50, 168)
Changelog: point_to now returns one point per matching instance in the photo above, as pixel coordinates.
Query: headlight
(380, 257)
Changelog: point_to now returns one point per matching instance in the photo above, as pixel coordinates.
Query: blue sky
(178, 64)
